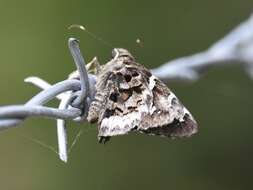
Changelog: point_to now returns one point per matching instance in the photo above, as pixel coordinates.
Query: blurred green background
(33, 38)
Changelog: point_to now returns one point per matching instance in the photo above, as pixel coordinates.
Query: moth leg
(103, 140)
(93, 67)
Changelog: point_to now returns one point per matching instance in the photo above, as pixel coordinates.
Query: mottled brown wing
(124, 104)
(168, 117)
(131, 99)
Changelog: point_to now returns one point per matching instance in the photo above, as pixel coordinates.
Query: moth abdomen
(95, 107)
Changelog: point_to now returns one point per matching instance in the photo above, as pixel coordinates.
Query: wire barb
(61, 130)
(80, 65)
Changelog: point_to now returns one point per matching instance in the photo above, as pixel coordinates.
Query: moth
(129, 98)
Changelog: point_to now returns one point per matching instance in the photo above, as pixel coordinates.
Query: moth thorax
(121, 53)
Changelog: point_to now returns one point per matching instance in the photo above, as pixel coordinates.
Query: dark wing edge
(170, 118)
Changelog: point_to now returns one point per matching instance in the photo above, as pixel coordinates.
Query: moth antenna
(81, 27)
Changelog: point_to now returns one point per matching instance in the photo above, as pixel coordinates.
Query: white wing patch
(120, 125)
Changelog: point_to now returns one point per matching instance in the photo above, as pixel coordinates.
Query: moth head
(120, 53)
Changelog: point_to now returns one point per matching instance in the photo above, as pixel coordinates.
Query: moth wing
(138, 101)
(168, 116)
(128, 101)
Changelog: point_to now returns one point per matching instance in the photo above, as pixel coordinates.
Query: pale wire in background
(75, 95)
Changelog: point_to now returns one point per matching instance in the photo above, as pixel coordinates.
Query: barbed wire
(73, 95)
(76, 95)
(234, 48)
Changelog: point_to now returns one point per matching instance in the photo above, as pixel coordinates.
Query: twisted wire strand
(72, 93)
(39, 99)
(21, 111)
(234, 48)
